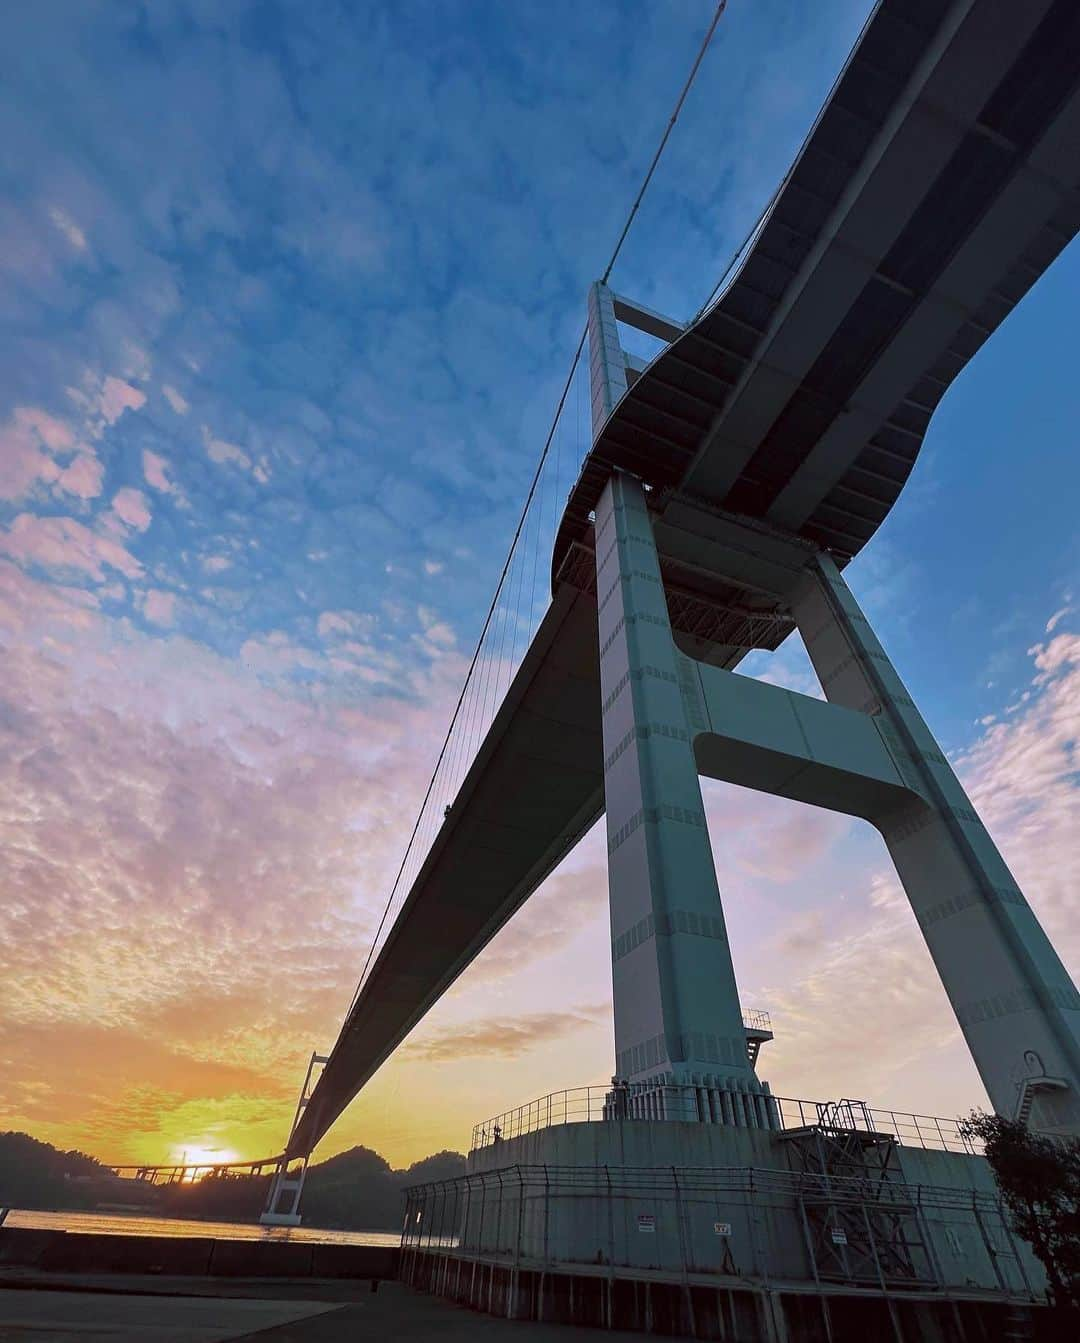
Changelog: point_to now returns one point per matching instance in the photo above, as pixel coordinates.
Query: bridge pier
(867, 752)
(1013, 998)
(676, 1003)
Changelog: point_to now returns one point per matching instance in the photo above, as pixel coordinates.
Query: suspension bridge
(756, 455)
(692, 508)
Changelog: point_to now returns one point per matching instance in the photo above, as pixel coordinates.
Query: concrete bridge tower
(867, 751)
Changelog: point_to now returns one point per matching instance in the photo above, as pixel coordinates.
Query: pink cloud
(54, 433)
(160, 607)
(24, 458)
(164, 813)
(501, 1036)
(218, 450)
(54, 607)
(117, 396)
(277, 655)
(131, 506)
(154, 470)
(29, 443)
(63, 543)
(83, 477)
(870, 963)
(179, 405)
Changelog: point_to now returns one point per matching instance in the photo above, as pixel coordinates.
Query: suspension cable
(664, 138)
(721, 6)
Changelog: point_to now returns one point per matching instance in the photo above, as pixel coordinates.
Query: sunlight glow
(196, 1154)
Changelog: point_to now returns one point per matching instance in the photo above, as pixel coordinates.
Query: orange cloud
(190, 861)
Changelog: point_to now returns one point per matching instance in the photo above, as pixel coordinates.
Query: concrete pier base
(712, 1232)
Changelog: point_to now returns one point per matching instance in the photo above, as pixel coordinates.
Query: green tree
(1039, 1179)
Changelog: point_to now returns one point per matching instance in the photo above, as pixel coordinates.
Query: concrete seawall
(77, 1252)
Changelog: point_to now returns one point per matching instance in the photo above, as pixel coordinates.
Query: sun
(201, 1154)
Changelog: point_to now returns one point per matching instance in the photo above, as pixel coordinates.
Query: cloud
(154, 472)
(804, 933)
(32, 447)
(218, 450)
(344, 624)
(437, 633)
(101, 401)
(117, 396)
(179, 405)
(131, 506)
(186, 846)
(68, 228)
(160, 607)
(508, 1037)
(55, 606)
(277, 655)
(83, 476)
(549, 921)
(62, 543)
(787, 838)
(873, 968)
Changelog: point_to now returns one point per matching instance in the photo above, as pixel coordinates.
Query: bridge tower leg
(288, 1180)
(677, 1014)
(1016, 1005)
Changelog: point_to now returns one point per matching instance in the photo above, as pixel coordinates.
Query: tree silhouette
(1039, 1179)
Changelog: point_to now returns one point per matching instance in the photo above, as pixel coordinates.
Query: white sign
(721, 1228)
(839, 1235)
(646, 1222)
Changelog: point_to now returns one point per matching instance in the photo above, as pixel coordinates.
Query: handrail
(593, 1104)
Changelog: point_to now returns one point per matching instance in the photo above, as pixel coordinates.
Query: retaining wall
(89, 1252)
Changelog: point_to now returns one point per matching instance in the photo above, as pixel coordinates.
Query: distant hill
(37, 1175)
(355, 1190)
(358, 1189)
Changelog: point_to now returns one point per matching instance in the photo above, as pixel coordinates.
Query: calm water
(135, 1224)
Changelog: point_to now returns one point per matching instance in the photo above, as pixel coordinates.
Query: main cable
(706, 41)
(664, 138)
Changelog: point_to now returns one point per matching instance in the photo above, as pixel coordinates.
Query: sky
(287, 293)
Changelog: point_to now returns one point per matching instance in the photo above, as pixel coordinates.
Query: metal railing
(749, 1180)
(740, 1225)
(186, 1172)
(586, 1105)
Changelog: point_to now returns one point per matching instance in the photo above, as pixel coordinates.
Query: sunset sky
(287, 293)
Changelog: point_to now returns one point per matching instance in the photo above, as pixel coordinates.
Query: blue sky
(288, 294)
(354, 244)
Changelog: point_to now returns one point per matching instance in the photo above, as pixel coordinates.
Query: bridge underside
(936, 187)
